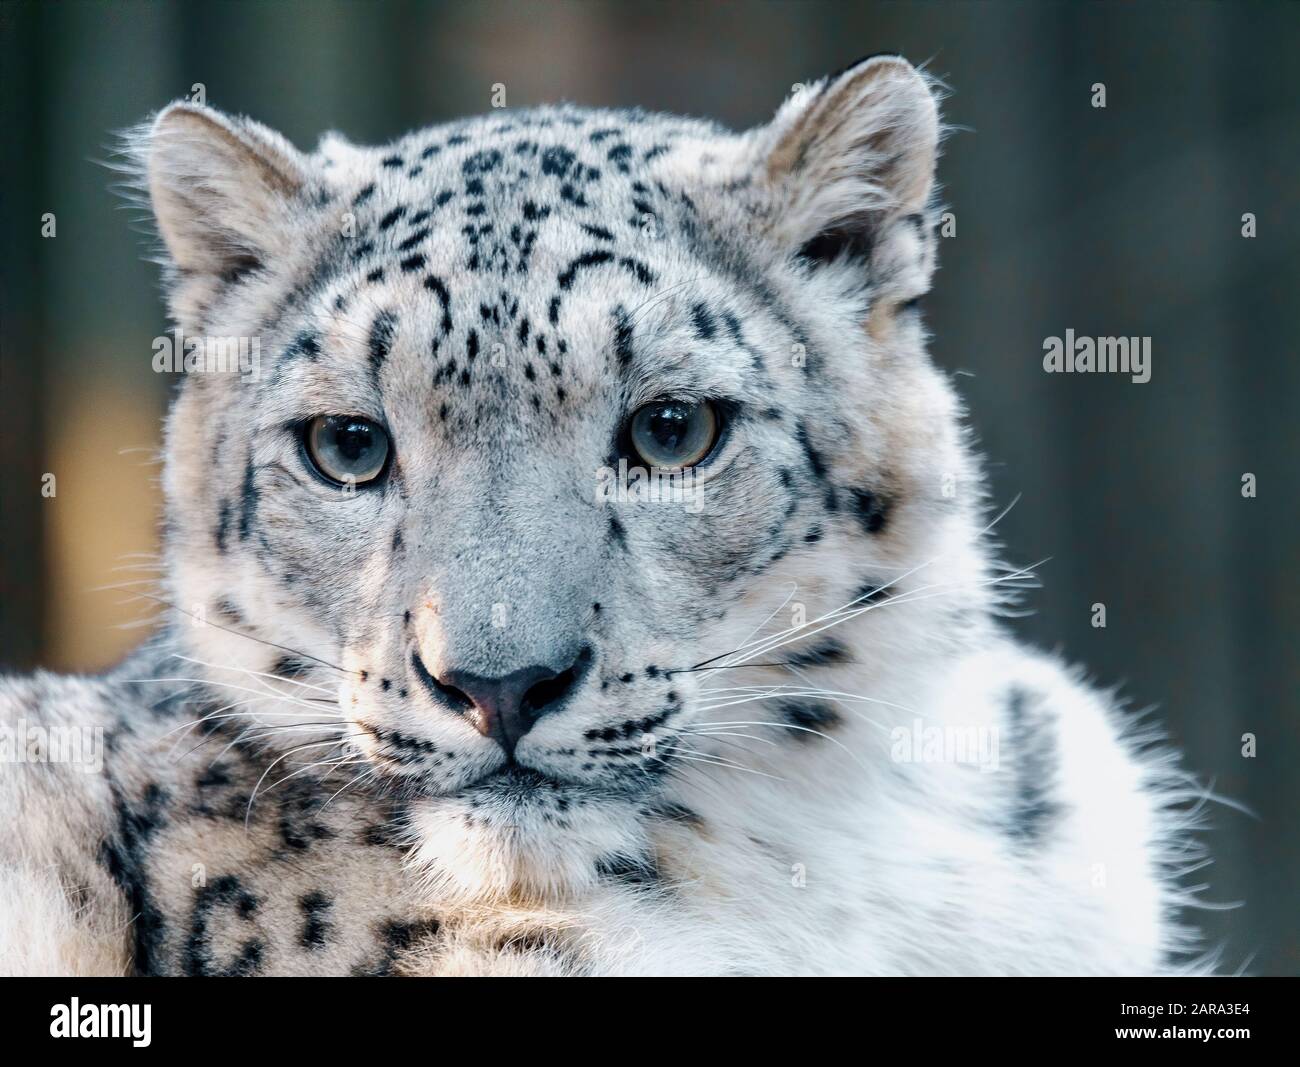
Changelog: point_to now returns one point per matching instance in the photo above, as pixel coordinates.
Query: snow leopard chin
(497, 841)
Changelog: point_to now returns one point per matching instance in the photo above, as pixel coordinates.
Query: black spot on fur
(622, 336)
(1031, 740)
(557, 160)
(414, 239)
(638, 270)
(483, 162)
(316, 927)
(289, 667)
(397, 938)
(435, 285)
(816, 463)
(381, 338)
(223, 525)
(226, 611)
(705, 325)
(239, 267)
(619, 155)
(125, 855)
(809, 715)
(587, 259)
(872, 592)
(198, 957)
(820, 655)
(247, 500)
(382, 835)
(872, 510)
(617, 533)
(831, 244)
(306, 345)
(629, 870)
(296, 817)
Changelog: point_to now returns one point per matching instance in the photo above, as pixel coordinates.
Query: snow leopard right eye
(346, 449)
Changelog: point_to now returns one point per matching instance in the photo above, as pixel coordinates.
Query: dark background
(1118, 221)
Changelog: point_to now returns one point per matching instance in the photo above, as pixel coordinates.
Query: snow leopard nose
(507, 707)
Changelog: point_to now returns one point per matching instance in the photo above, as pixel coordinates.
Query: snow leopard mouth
(514, 781)
(407, 760)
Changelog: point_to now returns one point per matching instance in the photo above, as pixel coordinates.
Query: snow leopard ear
(222, 189)
(849, 156)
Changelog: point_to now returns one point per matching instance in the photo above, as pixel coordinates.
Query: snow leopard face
(413, 523)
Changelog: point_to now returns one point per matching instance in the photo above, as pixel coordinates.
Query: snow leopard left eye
(672, 434)
(346, 449)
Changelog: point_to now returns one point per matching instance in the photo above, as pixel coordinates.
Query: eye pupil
(668, 424)
(347, 449)
(353, 440)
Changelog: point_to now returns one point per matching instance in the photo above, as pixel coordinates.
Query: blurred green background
(1125, 220)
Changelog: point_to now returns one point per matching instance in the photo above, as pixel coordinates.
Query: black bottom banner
(309, 1016)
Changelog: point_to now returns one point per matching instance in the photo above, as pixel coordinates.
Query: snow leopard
(592, 575)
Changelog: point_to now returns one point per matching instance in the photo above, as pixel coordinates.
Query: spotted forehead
(482, 194)
(459, 238)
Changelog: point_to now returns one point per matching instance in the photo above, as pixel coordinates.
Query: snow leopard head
(430, 515)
